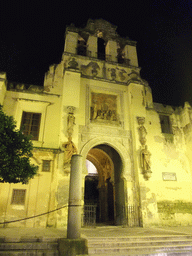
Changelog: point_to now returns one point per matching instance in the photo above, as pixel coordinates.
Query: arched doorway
(106, 186)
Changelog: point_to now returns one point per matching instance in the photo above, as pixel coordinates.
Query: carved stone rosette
(145, 155)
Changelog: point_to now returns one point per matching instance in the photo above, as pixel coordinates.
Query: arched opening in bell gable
(81, 46)
(101, 48)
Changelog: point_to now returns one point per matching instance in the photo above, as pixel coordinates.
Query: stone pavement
(101, 231)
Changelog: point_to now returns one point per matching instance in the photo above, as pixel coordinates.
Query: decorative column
(74, 210)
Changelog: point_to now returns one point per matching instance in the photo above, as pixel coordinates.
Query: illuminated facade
(95, 103)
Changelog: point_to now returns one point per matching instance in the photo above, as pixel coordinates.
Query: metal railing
(133, 216)
(89, 215)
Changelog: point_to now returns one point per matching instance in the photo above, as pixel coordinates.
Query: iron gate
(89, 216)
(133, 216)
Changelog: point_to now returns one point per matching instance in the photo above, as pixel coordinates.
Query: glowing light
(91, 167)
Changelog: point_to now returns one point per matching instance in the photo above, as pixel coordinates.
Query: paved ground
(105, 231)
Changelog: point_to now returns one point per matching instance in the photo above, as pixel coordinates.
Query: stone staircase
(158, 245)
(29, 246)
(101, 246)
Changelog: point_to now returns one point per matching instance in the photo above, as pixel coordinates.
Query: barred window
(30, 124)
(18, 196)
(46, 166)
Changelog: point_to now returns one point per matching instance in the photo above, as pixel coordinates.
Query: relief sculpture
(91, 69)
(103, 107)
(122, 73)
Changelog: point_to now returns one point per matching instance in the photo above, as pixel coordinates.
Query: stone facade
(96, 104)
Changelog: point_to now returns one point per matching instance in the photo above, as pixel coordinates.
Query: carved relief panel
(103, 107)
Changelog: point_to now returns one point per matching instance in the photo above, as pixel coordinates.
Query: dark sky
(32, 38)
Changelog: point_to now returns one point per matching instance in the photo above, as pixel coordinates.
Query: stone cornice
(53, 150)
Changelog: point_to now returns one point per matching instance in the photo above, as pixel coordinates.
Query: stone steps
(159, 245)
(29, 253)
(175, 253)
(28, 247)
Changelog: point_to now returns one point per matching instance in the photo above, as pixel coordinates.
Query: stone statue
(70, 124)
(146, 162)
(69, 150)
(142, 133)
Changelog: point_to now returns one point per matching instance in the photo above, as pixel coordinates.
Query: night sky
(32, 38)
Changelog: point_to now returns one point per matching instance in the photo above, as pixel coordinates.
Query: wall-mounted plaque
(169, 176)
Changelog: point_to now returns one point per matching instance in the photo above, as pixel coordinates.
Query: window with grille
(18, 196)
(46, 166)
(30, 124)
(165, 124)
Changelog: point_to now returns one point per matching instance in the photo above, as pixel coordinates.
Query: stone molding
(122, 151)
(91, 67)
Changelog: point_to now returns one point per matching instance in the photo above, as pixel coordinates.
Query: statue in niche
(70, 124)
(142, 133)
(69, 150)
(146, 162)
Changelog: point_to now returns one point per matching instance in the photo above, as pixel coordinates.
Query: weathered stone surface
(72, 247)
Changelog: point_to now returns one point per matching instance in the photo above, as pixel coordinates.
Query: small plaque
(171, 176)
